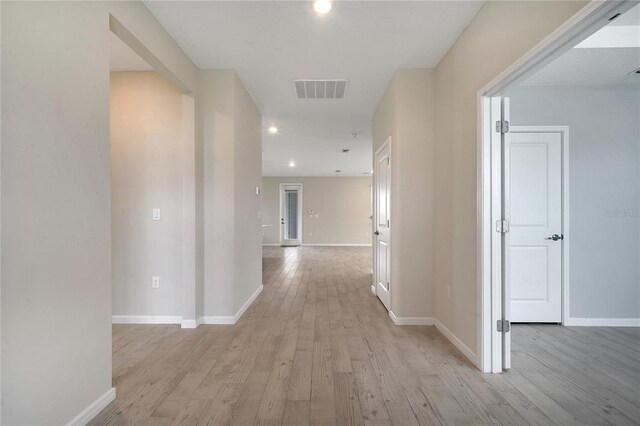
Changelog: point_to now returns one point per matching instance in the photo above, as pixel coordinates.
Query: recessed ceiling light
(322, 6)
(292, 164)
(273, 130)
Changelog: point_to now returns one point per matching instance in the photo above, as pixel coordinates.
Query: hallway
(318, 348)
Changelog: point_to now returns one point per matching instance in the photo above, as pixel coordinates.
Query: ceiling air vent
(320, 89)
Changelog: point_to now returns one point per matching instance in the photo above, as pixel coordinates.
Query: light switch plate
(156, 214)
(155, 282)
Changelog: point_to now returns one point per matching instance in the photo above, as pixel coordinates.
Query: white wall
(248, 177)
(406, 113)
(342, 205)
(500, 34)
(216, 104)
(56, 233)
(231, 131)
(146, 139)
(604, 200)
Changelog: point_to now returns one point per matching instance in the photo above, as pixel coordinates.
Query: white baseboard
(233, 319)
(373, 290)
(411, 320)
(336, 245)
(270, 245)
(248, 303)
(229, 320)
(94, 408)
(466, 351)
(146, 319)
(603, 322)
(192, 323)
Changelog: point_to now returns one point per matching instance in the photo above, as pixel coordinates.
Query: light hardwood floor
(317, 347)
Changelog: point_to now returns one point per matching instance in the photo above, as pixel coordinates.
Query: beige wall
(406, 113)
(248, 177)
(481, 53)
(342, 205)
(56, 233)
(231, 132)
(146, 139)
(432, 119)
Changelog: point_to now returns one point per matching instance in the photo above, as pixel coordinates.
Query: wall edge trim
(93, 409)
(411, 320)
(455, 341)
(248, 303)
(146, 319)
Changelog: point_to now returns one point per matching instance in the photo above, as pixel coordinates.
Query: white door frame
(595, 15)
(566, 242)
(374, 284)
(300, 207)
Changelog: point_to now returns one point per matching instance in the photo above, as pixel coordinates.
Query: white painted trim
(566, 241)
(89, 413)
(209, 320)
(373, 290)
(411, 320)
(428, 321)
(271, 245)
(335, 245)
(585, 22)
(230, 320)
(576, 29)
(455, 341)
(192, 323)
(603, 322)
(146, 319)
(248, 303)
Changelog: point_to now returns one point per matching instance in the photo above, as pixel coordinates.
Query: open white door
(536, 237)
(500, 312)
(290, 214)
(382, 257)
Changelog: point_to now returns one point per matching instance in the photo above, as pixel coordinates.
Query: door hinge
(502, 126)
(503, 326)
(388, 161)
(388, 223)
(502, 226)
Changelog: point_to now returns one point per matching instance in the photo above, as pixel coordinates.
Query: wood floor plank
(317, 347)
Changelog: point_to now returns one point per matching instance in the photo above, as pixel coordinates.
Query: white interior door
(382, 257)
(535, 236)
(291, 215)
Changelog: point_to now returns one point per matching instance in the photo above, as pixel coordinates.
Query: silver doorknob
(555, 237)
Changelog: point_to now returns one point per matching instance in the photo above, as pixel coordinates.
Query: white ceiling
(271, 43)
(605, 58)
(123, 58)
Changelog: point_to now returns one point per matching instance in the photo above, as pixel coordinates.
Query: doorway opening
(291, 214)
(541, 194)
(382, 225)
(152, 123)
